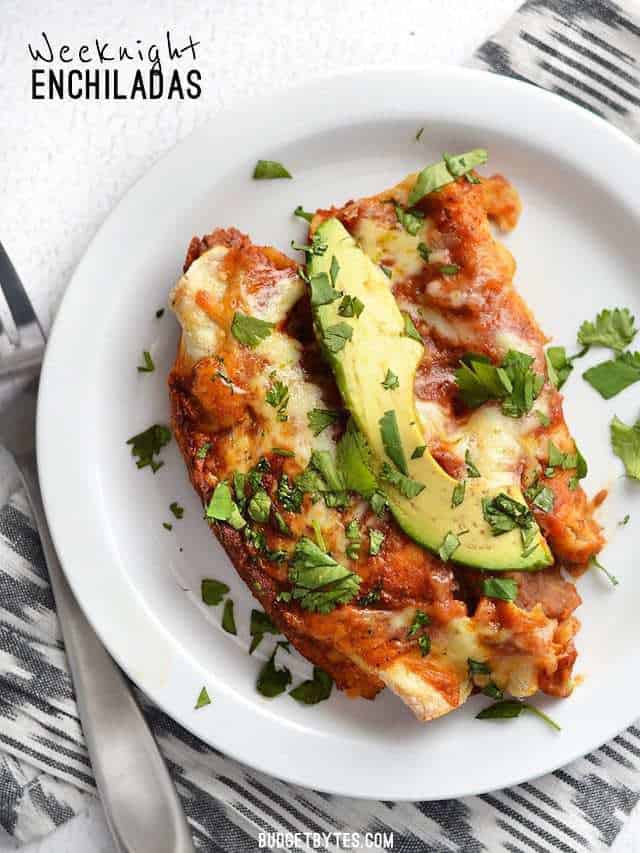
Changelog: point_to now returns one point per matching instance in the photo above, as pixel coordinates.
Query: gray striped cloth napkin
(584, 50)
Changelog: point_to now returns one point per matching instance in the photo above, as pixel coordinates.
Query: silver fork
(140, 801)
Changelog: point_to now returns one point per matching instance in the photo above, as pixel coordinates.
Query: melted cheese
(380, 242)
(201, 336)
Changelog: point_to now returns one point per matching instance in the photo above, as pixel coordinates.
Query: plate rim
(50, 467)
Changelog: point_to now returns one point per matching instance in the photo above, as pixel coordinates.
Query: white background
(64, 164)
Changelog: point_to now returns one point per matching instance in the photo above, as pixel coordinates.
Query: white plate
(578, 251)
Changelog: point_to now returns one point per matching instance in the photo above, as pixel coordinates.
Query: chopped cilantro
(314, 690)
(545, 420)
(439, 174)
(271, 680)
(457, 496)
(322, 291)
(612, 578)
(378, 502)
(260, 624)
(334, 270)
(335, 337)
(159, 313)
(418, 451)
(148, 366)
(424, 644)
(420, 620)
(391, 441)
(354, 461)
(259, 506)
(222, 507)
(472, 471)
(388, 272)
(449, 545)
(405, 485)
(167, 526)
(317, 246)
(559, 366)
(320, 419)
(376, 538)
(176, 509)
(319, 582)
(289, 497)
(278, 398)
(202, 452)
(541, 496)
(505, 589)
(148, 444)
(513, 381)
(411, 220)
(419, 134)
(449, 269)
(478, 667)
(203, 699)
(424, 251)
(228, 621)
(302, 213)
(250, 331)
(503, 514)
(509, 708)
(350, 306)
(390, 381)
(213, 591)
(410, 330)
(269, 169)
(280, 451)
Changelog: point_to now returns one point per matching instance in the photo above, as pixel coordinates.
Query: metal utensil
(140, 801)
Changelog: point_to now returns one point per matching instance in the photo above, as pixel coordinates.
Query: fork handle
(140, 801)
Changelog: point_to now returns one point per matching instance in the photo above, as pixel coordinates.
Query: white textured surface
(64, 164)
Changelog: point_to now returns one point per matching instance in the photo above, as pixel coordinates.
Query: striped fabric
(583, 50)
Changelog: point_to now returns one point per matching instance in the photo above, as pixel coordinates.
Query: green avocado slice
(362, 346)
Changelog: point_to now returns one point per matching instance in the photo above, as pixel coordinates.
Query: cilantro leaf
(390, 381)
(410, 330)
(376, 538)
(203, 699)
(541, 496)
(269, 169)
(145, 445)
(513, 381)
(302, 213)
(320, 419)
(418, 452)
(271, 680)
(449, 269)
(405, 485)
(391, 441)
(250, 331)
(439, 174)
(505, 589)
(472, 471)
(354, 461)
(611, 377)
(176, 509)
(503, 514)
(228, 620)
(612, 328)
(420, 620)
(424, 251)
(411, 220)
(559, 366)
(314, 690)
(478, 667)
(148, 366)
(290, 497)
(625, 441)
(335, 337)
(350, 306)
(322, 291)
(509, 708)
(324, 462)
(213, 591)
(319, 582)
(222, 507)
(260, 624)
(449, 545)
(457, 496)
(259, 506)
(202, 451)
(611, 577)
(277, 397)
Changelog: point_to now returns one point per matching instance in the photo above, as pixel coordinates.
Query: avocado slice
(365, 336)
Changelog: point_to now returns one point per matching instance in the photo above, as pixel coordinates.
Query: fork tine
(24, 316)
